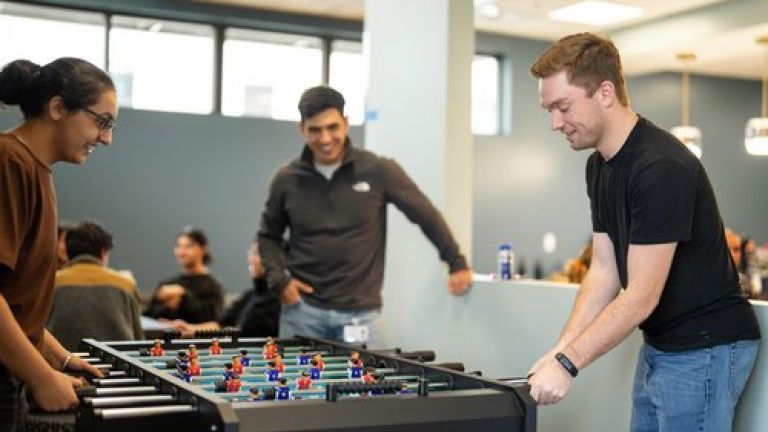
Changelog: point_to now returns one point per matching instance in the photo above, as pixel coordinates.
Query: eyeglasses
(103, 121)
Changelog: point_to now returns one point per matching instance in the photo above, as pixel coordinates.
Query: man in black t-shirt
(657, 233)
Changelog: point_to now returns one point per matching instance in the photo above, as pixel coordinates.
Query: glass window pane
(162, 65)
(69, 34)
(347, 74)
(485, 95)
(265, 73)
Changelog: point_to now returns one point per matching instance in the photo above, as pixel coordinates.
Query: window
(347, 74)
(486, 111)
(78, 34)
(162, 65)
(265, 73)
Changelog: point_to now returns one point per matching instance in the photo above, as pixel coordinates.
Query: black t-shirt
(656, 191)
(203, 299)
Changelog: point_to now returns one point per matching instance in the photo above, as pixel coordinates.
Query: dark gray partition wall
(530, 182)
(166, 170)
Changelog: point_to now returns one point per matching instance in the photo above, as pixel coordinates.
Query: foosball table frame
(470, 403)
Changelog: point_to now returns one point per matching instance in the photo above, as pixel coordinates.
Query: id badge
(355, 333)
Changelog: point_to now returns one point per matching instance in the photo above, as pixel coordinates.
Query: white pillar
(419, 55)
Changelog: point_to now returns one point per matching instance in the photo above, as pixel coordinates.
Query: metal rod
(125, 390)
(116, 381)
(120, 413)
(126, 400)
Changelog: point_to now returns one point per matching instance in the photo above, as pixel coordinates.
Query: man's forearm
(610, 327)
(595, 293)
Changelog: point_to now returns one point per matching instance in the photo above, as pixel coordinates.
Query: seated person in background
(194, 295)
(736, 247)
(575, 269)
(256, 313)
(91, 300)
(61, 246)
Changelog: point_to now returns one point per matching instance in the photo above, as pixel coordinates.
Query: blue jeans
(307, 320)
(693, 390)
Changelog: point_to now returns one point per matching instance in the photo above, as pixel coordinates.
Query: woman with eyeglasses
(194, 295)
(69, 108)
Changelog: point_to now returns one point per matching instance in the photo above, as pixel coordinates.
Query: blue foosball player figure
(272, 372)
(244, 359)
(182, 372)
(282, 389)
(315, 371)
(355, 370)
(228, 372)
(181, 357)
(303, 357)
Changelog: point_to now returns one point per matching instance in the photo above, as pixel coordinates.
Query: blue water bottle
(504, 264)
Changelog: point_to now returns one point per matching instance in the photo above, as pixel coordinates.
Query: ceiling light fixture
(756, 132)
(488, 8)
(597, 13)
(688, 135)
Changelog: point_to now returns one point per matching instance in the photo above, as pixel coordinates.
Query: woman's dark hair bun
(15, 79)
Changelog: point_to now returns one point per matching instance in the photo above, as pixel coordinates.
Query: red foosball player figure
(215, 347)
(194, 367)
(270, 349)
(304, 382)
(272, 372)
(303, 357)
(237, 367)
(355, 369)
(192, 352)
(315, 370)
(369, 377)
(282, 389)
(279, 364)
(157, 348)
(320, 363)
(233, 384)
(244, 359)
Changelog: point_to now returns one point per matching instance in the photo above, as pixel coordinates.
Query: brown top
(27, 235)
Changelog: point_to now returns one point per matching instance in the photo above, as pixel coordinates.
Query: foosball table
(227, 383)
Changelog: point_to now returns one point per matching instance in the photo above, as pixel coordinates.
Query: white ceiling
(722, 33)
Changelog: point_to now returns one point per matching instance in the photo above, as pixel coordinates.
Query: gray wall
(166, 170)
(531, 182)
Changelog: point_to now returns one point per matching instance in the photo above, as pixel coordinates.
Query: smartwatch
(567, 364)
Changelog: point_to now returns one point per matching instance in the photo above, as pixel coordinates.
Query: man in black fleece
(333, 201)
